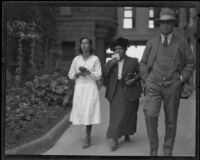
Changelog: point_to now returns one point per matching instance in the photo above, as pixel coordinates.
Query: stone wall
(73, 31)
(97, 23)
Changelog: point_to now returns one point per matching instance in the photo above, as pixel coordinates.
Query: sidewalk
(70, 143)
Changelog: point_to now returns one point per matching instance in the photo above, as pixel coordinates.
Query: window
(135, 51)
(129, 17)
(154, 13)
(190, 15)
(177, 14)
(68, 50)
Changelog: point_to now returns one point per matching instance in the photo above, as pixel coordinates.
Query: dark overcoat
(110, 73)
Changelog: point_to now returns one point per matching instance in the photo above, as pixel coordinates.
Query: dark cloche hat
(119, 42)
(167, 14)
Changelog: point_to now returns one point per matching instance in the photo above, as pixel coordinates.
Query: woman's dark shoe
(167, 152)
(114, 145)
(126, 138)
(153, 153)
(86, 143)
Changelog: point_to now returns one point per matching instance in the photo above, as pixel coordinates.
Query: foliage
(52, 89)
(30, 33)
(23, 35)
(31, 102)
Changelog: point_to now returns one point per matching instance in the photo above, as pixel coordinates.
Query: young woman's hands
(84, 71)
(77, 75)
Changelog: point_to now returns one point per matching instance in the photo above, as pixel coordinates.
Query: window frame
(132, 18)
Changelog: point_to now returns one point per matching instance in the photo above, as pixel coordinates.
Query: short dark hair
(91, 50)
(119, 42)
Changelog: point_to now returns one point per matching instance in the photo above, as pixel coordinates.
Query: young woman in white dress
(86, 71)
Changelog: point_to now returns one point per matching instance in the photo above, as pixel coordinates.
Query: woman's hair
(91, 49)
(119, 42)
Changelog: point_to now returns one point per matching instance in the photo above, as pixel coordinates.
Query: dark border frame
(183, 4)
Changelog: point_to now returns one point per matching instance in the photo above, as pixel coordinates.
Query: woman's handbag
(187, 89)
(135, 77)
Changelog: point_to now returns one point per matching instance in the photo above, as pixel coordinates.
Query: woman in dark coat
(123, 89)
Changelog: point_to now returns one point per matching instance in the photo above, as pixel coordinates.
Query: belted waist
(85, 80)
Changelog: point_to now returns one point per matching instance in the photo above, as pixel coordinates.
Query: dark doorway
(68, 50)
(65, 60)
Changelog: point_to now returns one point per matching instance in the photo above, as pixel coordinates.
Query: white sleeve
(96, 72)
(72, 71)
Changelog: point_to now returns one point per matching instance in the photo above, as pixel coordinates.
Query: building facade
(72, 23)
(144, 27)
(102, 24)
(61, 27)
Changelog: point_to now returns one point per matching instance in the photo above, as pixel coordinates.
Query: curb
(40, 145)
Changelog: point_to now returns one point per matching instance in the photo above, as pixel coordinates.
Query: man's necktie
(165, 43)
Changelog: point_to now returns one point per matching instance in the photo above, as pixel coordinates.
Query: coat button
(164, 78)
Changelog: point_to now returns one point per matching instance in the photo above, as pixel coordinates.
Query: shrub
(29, 103)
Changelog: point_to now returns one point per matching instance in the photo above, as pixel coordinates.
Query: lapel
(175, 44)
(116, 70)
(155, 49)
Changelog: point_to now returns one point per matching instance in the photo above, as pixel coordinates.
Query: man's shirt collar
(169, 37)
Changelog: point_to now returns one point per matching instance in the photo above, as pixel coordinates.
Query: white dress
(86, 102)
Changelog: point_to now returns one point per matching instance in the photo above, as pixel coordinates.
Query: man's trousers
(156, 93)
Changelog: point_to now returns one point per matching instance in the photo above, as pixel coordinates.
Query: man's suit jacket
(110, 75)
(183, 57)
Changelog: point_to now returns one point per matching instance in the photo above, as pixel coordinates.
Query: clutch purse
(130, 76)
(82, 69)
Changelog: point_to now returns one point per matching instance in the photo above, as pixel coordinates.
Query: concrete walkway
(70, 143)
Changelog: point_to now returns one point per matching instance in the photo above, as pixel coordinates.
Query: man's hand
(130, 81)
(181, 78)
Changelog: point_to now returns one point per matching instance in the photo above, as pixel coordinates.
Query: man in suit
(123, 89)
(166, 64)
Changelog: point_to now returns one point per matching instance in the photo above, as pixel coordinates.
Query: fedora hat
(167, 14)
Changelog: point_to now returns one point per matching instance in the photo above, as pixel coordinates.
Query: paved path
(70, 142)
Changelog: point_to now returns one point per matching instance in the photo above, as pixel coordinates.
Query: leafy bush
(52, 89)
(29, 103)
